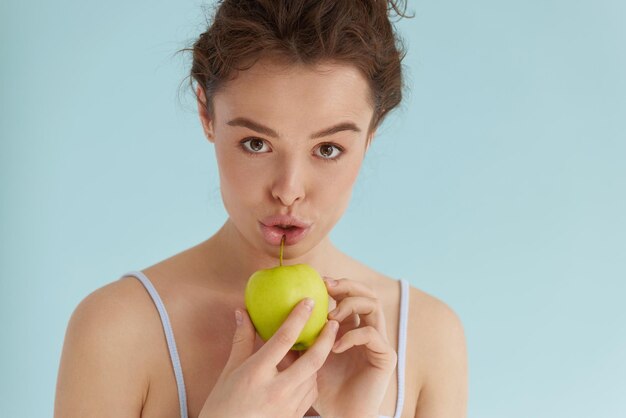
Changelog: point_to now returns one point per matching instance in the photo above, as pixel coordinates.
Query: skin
(296, 179)
(202, 286)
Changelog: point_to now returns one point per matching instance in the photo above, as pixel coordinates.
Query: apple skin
(271, 294)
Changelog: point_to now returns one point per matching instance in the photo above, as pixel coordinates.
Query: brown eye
(327, 152)
(255, 145)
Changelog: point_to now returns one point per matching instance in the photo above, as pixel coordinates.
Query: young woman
(290, 94)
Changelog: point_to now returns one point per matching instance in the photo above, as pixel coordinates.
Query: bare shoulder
(434, 317)
(437, 334)
(104, 362)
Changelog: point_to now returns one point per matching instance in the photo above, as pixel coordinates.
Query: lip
(274, 234)
(285, 220)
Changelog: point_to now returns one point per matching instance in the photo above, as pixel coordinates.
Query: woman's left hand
(353, 381)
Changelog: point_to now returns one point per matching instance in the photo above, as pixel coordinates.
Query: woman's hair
(356, 32)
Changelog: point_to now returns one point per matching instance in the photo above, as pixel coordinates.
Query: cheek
(347, 180)
(338, 188)
(238, 183)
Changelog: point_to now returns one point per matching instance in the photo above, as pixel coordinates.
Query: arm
(444, 393)
(100, 373)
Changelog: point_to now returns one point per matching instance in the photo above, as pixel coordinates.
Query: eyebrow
(250, 124)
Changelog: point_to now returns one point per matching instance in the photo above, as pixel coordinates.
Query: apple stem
(282, 242)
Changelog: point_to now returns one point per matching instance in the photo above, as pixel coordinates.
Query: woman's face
(276, 152)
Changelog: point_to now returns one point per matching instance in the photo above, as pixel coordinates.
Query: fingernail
(333, 312)
(238, 317)
(309, 303)
(330, 282)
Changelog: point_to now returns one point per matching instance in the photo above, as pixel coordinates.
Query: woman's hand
(353, 381)
(251, 385)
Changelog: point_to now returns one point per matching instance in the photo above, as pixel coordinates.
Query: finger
(368, 310)
(341, 288)
(277, 347)
(332, 303)
(351, 322)
(379, 352)
(348, 324)
(313, 359)
(310, 396)
(243, 341)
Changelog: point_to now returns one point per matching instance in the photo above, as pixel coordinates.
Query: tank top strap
(402, 333)
(169, 336)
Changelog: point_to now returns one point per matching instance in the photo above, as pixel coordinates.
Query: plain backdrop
(498, 186)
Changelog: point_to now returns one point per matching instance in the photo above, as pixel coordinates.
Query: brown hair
(356, 32)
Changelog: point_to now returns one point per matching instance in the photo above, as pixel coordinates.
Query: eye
(326, 151)
(256, 144)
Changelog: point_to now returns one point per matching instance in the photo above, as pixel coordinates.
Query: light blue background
(498, 187)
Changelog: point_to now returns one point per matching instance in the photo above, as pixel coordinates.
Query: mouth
(273, 234)
(286, 227)
(285, 222)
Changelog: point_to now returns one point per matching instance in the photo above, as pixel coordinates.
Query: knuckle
(315, 362)
(370, 331)
(238, 339)
(284, 337)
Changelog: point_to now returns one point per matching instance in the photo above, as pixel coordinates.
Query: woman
(290, 93)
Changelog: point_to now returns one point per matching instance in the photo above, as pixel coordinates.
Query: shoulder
(115, 296)
(434, 317)
(436, 328)
(104, 362)
(437, 335)
(114, 310)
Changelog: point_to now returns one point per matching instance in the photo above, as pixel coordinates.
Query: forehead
(326, 90)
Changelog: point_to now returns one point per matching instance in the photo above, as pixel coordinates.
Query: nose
(288, 184)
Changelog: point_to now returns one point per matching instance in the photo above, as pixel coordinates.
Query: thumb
(243, 340)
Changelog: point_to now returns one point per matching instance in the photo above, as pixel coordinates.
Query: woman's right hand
(251, 385)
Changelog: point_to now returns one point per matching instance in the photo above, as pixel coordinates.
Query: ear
(207, 123)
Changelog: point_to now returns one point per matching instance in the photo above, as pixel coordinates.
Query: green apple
(271, 294)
